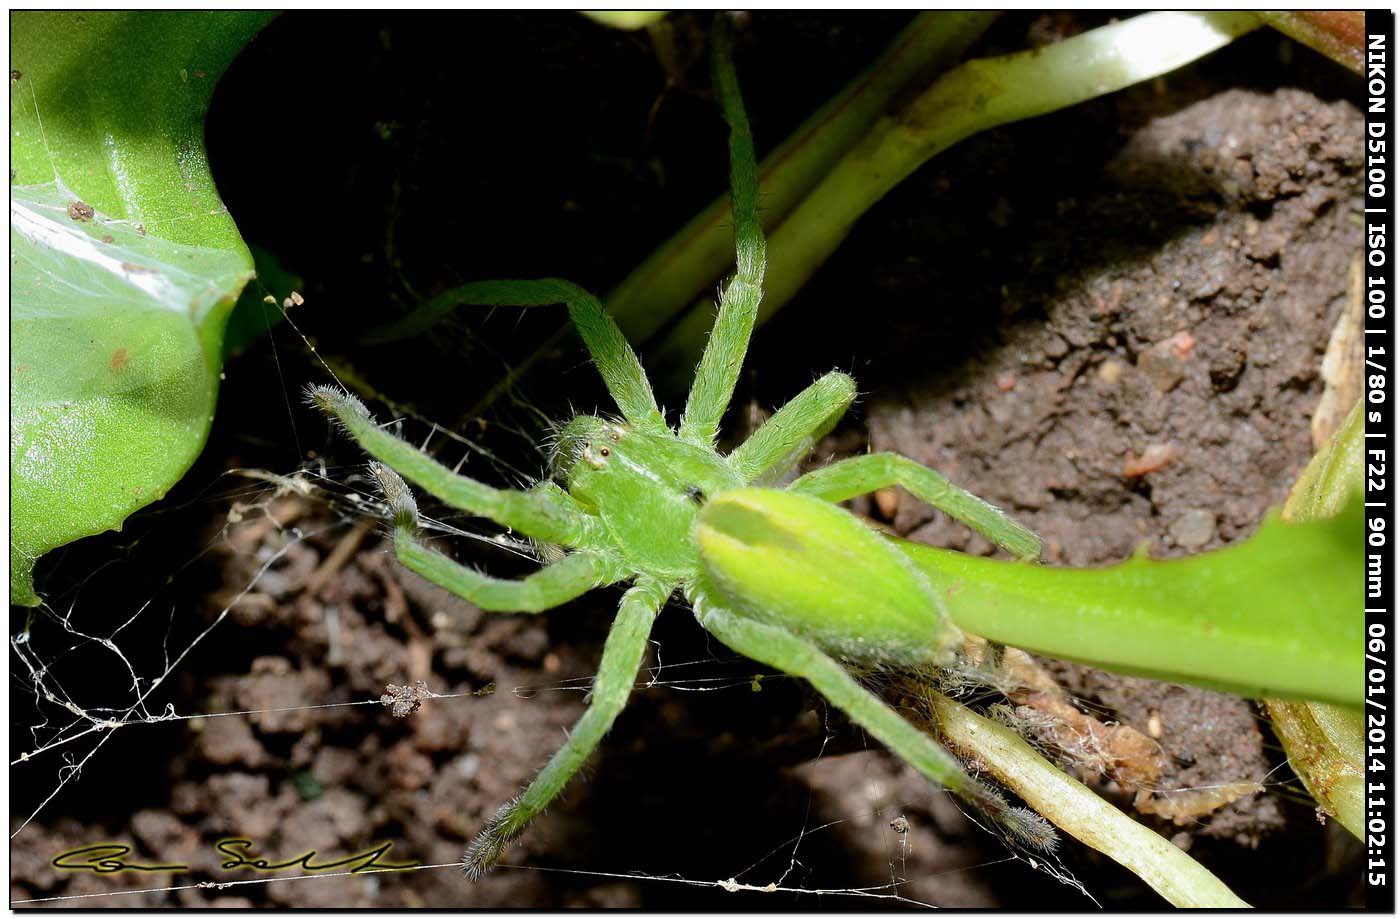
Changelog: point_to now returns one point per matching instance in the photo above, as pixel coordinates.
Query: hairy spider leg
(555, 584)
(782, 440)
(859, 475)
(718, 371)
(543, 512)
(789, 653)
(617, 674)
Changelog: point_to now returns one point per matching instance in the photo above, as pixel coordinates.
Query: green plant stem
(627, 20)
(693, 260)
(1179, 878)
(1274, 615)
(1325, 742)
(973, 97)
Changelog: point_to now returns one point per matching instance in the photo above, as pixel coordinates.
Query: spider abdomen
(811, 567)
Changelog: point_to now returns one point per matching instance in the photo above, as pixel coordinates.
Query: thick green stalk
(627, 20)
(1179, 878)
(973, 97)
(1325, 745)
(1275, 615)
(1324, 742)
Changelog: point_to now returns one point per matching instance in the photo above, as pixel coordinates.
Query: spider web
(67, 741)
(75, 717)
(90, 675)
(99, 674)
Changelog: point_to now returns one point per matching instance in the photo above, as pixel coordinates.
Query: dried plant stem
(1072, 807)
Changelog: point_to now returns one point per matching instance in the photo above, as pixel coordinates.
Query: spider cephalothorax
(633, 500)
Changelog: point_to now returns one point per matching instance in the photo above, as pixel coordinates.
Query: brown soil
(1206, 352)
(1127, 356)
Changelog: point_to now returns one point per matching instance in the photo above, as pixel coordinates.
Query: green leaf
(1276, 615)
(124, 265)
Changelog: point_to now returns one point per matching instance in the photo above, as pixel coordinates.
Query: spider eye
(604, 452)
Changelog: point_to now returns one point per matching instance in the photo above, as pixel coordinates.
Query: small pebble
(1181, 344)
(1111, 371)
(1194, 528)
(1164, 362)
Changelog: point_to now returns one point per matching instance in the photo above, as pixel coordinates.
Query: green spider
(631, 500)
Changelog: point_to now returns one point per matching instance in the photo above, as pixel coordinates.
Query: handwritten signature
(110, 858)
